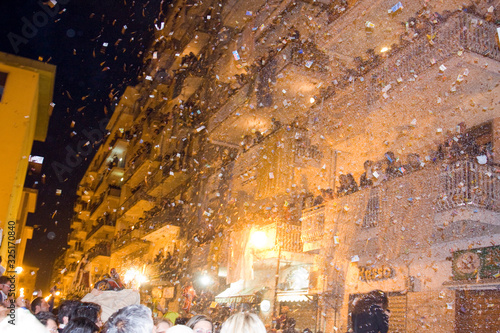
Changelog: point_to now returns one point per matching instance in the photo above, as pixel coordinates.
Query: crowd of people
(74, 316)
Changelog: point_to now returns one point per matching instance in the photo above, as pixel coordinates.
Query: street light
(206, 280)
(259, 240)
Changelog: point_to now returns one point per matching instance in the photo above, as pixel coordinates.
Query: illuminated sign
(35, 159)
(374, 274)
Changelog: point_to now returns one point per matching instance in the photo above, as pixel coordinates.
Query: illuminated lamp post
(259, 240)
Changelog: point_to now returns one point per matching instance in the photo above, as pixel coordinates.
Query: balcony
(185, 85)
(73, 237)
(128, 242)
(76, 223)
(281, 237)
(421, 203)
(104, 228)
(227, 116)
(171, 176)
(143, 162)
(287, 87)
(466, 184)
(460, 32)
(81, 205)
(103, 249)
(106, 202)
(137, 203)
(313, 224)
(163, 226)
(194, 46)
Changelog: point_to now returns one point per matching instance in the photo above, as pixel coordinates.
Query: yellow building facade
(26, 93)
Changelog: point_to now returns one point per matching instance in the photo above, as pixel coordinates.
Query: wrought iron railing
(107, 220)
(313, 223)
(101, 249)
(460, 32)
(468, 183)
(288, 237)
(111, 191)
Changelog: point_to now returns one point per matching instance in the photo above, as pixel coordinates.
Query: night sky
(90, 79)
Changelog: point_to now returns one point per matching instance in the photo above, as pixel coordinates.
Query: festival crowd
(369, 315)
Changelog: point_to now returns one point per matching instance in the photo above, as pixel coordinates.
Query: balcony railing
(101, 249)
(108, 220)
(138, 195)
(112, 191)
(170, 216)
(127, 238)
(460, 32)
(467, 183)
(461, 184)
(313, 223)
(288, 237)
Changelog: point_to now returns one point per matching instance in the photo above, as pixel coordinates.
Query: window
(3, 80)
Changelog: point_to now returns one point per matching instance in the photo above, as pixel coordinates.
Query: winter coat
(371, 320)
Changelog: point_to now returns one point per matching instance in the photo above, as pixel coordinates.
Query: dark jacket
(371, 320)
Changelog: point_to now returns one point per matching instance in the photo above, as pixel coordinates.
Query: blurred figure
(162, 325)
(89, 310)
(48, 320)
(2, 269)
(4, 290)
(65, 313)
(133, 318)
(39, 305)
(200, 324)
(366, 179)
(81, 325)
(180, 329)
(282, 319)
(243, 322)
(290, 327)
(370, 313)
(25, 322)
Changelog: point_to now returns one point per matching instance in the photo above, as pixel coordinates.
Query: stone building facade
(254, 118)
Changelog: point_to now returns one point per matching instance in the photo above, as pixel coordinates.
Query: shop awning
(480, 284)
(294, 296)
(238, 295)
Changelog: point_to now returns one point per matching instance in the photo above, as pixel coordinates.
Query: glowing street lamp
(206, 280)
(258, 239)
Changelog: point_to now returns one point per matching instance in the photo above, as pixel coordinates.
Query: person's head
(181, 321)
(368, 164)
(47, 319)
(180, 329)
(162, 325)
(379, 297)
(39, 305)
(131, 319)
(66, 310)
(200, 324)
(81, 325)
(21, 302)
(243, 322)
(89, 310)
(5, 284)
